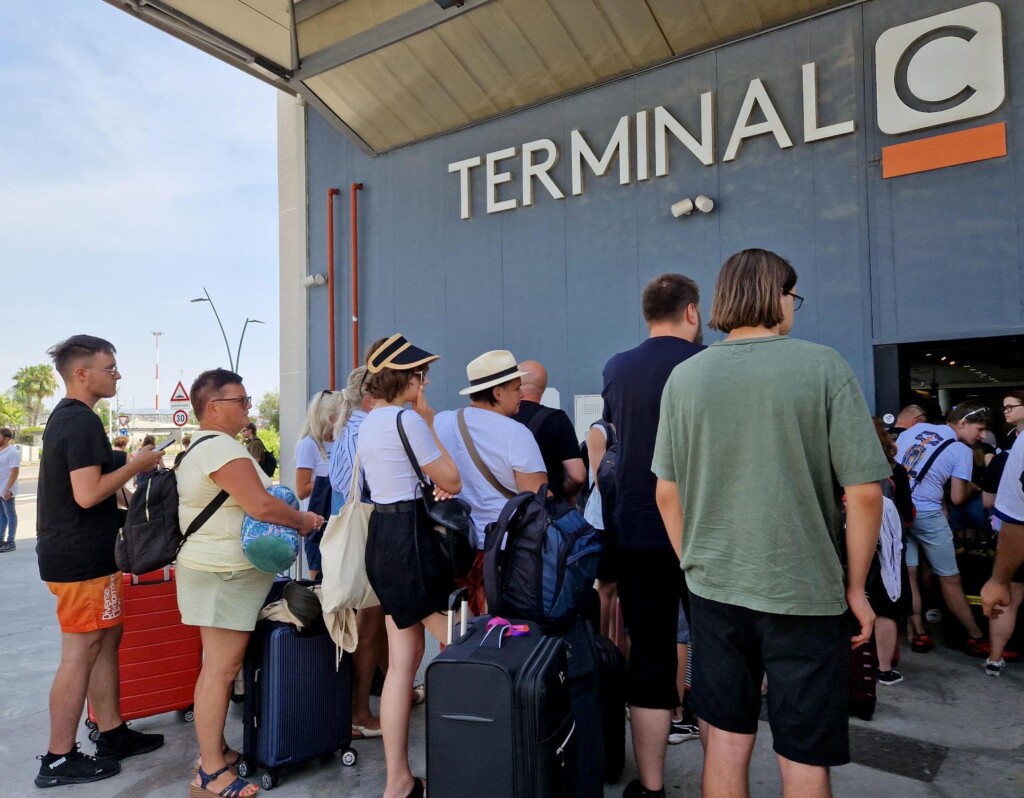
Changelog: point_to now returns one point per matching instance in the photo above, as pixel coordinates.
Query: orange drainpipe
(354, 226)
(330, 284)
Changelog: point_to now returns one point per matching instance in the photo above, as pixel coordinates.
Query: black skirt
(403, 567)
(878, 598)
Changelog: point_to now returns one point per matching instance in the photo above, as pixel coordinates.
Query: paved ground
(948, 730)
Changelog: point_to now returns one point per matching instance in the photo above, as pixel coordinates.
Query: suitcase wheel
(269, 780)
(349, 757)
(243, 768)
(90, 724)
(189, 715)
(94, 735)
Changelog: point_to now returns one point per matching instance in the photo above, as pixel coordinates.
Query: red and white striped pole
(156, 401)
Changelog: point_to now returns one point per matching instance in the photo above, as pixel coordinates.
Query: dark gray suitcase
(499, 720)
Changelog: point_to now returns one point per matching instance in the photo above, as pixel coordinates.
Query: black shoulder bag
(451, 519)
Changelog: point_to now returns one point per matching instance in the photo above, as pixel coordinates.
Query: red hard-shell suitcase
(159, 657)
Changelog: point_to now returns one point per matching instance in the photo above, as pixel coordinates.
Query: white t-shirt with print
(913, 449)
(308, 455)
(1010, 494)
(10, 458)
(505, 446)
(217, 545)
(382, 458)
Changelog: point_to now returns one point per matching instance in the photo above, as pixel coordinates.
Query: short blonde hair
(749, 290)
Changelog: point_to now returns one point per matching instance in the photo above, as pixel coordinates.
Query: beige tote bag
(343, 554)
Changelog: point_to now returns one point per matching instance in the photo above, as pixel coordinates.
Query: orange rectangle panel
(949, 149)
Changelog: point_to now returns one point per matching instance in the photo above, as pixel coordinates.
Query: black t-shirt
(556, 438)
(73, 543)
(633, 384)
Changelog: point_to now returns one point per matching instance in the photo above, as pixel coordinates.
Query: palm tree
(33, 385)
(12, 413)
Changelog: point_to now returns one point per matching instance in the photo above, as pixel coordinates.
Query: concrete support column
(294, 258)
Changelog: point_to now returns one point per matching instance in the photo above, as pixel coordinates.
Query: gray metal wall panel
(945, 241)
(462, 287)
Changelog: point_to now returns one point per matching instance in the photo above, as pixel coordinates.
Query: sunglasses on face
(111, 370)
(244, 400)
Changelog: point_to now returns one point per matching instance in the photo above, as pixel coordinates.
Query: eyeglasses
(243, 400)
(1008, 408)
(797, 300)
(421, 374)
(111, 370)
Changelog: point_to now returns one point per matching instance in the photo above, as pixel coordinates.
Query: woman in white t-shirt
(400, 562)
(312, 455)
(219, 590)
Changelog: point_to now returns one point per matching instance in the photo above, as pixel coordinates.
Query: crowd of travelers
(712, 632)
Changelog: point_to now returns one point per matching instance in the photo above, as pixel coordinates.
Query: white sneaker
(995, 668)
(680, 732)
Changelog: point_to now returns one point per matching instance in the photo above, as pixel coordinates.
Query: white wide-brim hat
(490, 369)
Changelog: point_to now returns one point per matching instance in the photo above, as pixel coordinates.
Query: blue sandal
(233, 790)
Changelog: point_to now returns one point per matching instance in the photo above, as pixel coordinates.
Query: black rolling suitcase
(298, 700)
(585, 697)
(611, 672)
(499, 722)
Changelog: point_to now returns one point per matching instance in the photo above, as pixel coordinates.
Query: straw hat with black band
(398, 354)
(491, 369)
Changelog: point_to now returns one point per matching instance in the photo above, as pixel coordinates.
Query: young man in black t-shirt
(650, 583)
(76, 527)
(554, 433)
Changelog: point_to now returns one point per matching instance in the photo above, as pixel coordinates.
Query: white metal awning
(392, 72)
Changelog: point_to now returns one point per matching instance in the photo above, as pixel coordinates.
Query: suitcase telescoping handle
(457, 596)
(136, 580)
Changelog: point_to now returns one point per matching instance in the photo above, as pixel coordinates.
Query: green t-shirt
(756, 433)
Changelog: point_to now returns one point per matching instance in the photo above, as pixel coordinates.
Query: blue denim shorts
(683, 628)
(931, 532)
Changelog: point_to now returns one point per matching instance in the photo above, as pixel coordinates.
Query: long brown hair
(884, 438)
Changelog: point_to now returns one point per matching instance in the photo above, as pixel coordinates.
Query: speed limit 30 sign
(180, 418)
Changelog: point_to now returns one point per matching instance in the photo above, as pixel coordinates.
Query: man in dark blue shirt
(649, 580)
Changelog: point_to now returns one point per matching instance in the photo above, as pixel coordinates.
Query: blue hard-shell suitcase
(499, 719)
(298, 700)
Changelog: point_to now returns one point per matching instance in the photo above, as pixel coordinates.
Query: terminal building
(510, 173)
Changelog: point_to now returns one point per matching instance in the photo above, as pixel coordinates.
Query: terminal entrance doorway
(938, 374)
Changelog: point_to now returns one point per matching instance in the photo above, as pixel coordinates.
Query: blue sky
(134, 171)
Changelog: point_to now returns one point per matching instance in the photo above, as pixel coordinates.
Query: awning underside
(393, 72)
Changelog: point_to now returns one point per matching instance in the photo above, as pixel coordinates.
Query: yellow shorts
(89, 605)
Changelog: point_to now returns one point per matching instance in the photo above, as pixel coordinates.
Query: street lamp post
(238, 354)
(227, 346)
(156, 401)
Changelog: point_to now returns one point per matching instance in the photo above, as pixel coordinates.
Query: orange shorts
(89, 605)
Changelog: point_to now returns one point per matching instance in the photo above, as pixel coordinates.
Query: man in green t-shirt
(754, 435)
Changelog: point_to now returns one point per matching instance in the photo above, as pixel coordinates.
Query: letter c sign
(942, 69)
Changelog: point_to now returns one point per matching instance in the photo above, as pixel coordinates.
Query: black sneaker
(74, 768)
(890, 677)
(680, 731)
(124, 742)
(636, 790)
(8, 546)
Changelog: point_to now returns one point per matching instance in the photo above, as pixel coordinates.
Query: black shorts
(807, 658)
(650, 587)
(878, 596)
(402, 565)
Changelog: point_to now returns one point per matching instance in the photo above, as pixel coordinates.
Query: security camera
(314, 279)
(704, 204)
(682, 208)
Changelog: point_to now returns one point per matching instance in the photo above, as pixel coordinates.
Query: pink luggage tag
(510, 629)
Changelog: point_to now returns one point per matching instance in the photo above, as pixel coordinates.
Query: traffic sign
(123, 421)
(123, 431)
(180, 418)
(180, 397)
